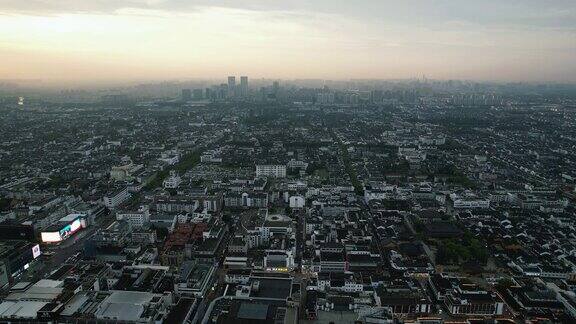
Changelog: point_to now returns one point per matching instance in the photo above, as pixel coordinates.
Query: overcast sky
(529, 40)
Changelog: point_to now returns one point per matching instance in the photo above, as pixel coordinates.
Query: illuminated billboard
(76, 225)
(66, 231)
(36, 251)
(50, 237)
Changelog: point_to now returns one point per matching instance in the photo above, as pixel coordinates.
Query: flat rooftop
(273, 288)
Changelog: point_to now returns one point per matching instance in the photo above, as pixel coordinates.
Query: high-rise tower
(231, 86)
(244, 86)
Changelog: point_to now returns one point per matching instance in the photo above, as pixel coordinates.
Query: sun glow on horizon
(134, 43)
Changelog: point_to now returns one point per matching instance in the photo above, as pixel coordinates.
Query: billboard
(76, 225)
(36, 251)
(66, 231)
(51, 237)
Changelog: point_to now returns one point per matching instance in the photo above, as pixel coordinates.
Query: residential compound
(345, 202)
(274, 171)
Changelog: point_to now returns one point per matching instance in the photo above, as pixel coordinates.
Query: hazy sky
(532, 40)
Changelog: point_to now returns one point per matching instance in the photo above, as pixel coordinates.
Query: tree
(504, 283)
(161, 233)
(4, 203)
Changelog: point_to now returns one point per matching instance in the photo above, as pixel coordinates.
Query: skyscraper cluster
(237, 92)
(222, 91)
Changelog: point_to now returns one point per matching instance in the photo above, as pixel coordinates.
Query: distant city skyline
(129, 40)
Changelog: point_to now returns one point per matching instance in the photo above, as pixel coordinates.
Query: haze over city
(133, 40)
(288, 162)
